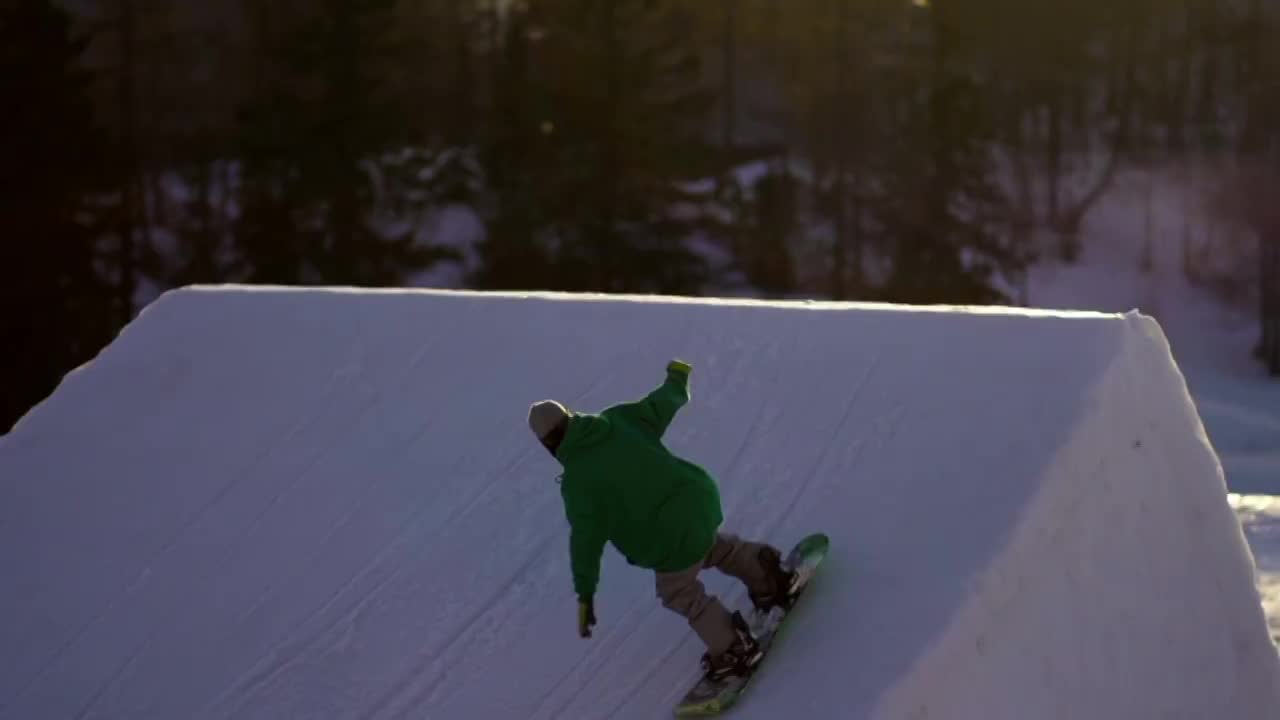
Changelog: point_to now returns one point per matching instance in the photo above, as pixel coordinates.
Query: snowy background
(294, 478)
(1211, 335)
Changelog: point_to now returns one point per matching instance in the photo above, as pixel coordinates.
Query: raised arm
(658, 408)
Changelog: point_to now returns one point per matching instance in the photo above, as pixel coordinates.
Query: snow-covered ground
(276, 503)
(1260, 516)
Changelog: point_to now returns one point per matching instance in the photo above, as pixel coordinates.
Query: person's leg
(682, 592)
(743, 560)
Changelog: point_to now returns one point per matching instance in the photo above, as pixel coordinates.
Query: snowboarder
(622, 485)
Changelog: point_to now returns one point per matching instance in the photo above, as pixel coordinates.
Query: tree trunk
(1254, 136)
(1208, 21)
(942, 170)
(730, 75)
(196, 262)
(1121, 97)
(463, 104)
(493, 48)
(856, 241)
(1188, 264)
(1146, 260)
(1184, 66)
(613, 95)
(263, 18)
(1023, 201)
(131, 196)
(1269, 294)
(839, 259)
(839, 246)
(1053, 162)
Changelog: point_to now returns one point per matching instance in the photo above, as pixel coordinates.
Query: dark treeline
(894, 150)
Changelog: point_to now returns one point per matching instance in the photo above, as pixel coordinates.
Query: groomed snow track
(270, 503)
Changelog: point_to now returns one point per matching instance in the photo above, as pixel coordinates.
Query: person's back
(622, 485)
(661, 511)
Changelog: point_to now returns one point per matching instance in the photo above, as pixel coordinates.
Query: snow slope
(273, 503)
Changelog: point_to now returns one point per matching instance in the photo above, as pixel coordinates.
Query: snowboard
(712, 698)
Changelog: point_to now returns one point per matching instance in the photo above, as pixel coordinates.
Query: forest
(913, 151)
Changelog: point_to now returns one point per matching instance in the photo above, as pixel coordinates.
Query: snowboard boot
(741, 657)
(783, 582)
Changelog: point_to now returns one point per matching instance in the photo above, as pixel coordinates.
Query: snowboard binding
(740, 659)
(785, 582)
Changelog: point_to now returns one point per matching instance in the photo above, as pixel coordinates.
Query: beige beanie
(544, 416)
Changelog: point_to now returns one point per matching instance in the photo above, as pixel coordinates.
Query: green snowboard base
(706, 698)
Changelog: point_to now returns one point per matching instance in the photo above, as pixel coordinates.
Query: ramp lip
(658, 299)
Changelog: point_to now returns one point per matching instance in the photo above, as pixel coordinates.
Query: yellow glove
(680, 366)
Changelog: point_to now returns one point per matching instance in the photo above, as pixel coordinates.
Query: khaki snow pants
(682, 592)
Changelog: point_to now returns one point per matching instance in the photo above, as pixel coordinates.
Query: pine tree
(941, 206)
(1060, 84)
(772, 220)
(55, 309)
(312, 143)
(191, 134)
(202, 224)
(518, 158)
(611, 120)
(1258, 150)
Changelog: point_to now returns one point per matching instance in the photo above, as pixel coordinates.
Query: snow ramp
(276, 503)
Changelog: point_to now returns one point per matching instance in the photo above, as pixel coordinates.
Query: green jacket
(622, 485)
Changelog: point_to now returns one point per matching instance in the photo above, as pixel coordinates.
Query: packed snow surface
(282, 503)
(1260, 516)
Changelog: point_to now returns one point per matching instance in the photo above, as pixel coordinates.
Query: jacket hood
(584, 431)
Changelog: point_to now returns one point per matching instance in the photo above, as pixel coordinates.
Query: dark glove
(586, 616)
